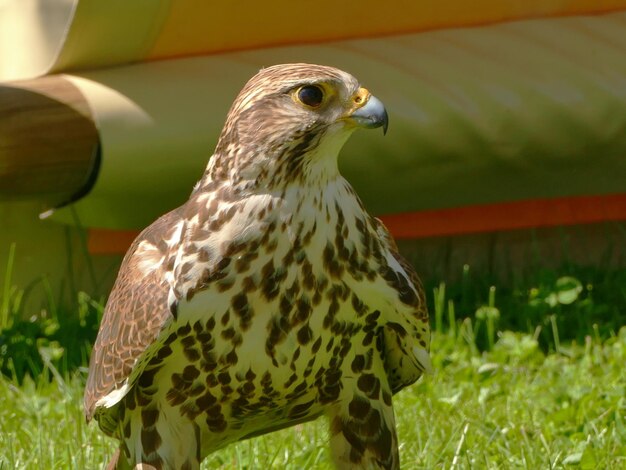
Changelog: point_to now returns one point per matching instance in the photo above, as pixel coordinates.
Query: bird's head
(289, 122)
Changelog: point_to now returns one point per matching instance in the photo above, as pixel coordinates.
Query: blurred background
(507, 139)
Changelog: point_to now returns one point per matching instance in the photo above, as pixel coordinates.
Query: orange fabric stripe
(193, 27)
(455, 221)
(102, 241)
(507, 216)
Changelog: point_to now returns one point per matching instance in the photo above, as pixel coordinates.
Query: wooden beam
(49, 144)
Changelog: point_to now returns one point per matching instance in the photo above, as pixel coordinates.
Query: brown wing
(135, 313)
(406, 355)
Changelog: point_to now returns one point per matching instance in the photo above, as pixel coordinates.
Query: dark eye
(311, 95)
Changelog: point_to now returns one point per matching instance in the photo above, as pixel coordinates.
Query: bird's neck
(311, 203)
(308, 161)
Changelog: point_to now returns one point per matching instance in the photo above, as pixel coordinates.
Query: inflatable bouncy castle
(507, 121)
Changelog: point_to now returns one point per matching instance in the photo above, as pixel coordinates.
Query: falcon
(270, 298)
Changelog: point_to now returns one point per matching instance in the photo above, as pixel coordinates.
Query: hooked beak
(371, 115)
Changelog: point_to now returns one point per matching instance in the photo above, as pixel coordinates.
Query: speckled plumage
(268, 299)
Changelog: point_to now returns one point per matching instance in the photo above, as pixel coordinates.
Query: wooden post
(49, 144)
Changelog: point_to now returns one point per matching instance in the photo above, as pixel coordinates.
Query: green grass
(511, 407)
(529, 376)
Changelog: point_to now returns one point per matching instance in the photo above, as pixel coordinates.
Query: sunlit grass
(527, 376)
(512, 407)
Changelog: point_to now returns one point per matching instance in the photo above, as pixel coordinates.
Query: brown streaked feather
(384, 234)
(137, 308)
(135, 313)
(273, 251)
(398, 347)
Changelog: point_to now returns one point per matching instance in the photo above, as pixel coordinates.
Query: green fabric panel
(514, 111)
(518, 111)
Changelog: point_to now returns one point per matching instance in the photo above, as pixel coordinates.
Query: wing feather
(406, 352)
(135, 314)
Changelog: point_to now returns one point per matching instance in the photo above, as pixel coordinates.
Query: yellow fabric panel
(201, 27)
(52, 36)
(111, 32)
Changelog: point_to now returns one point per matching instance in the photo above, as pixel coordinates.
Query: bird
(268, 299)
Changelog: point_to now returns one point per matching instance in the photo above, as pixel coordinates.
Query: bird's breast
(280, 271)
(273, 309)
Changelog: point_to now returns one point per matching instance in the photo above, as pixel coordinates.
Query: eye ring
(310, 95)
